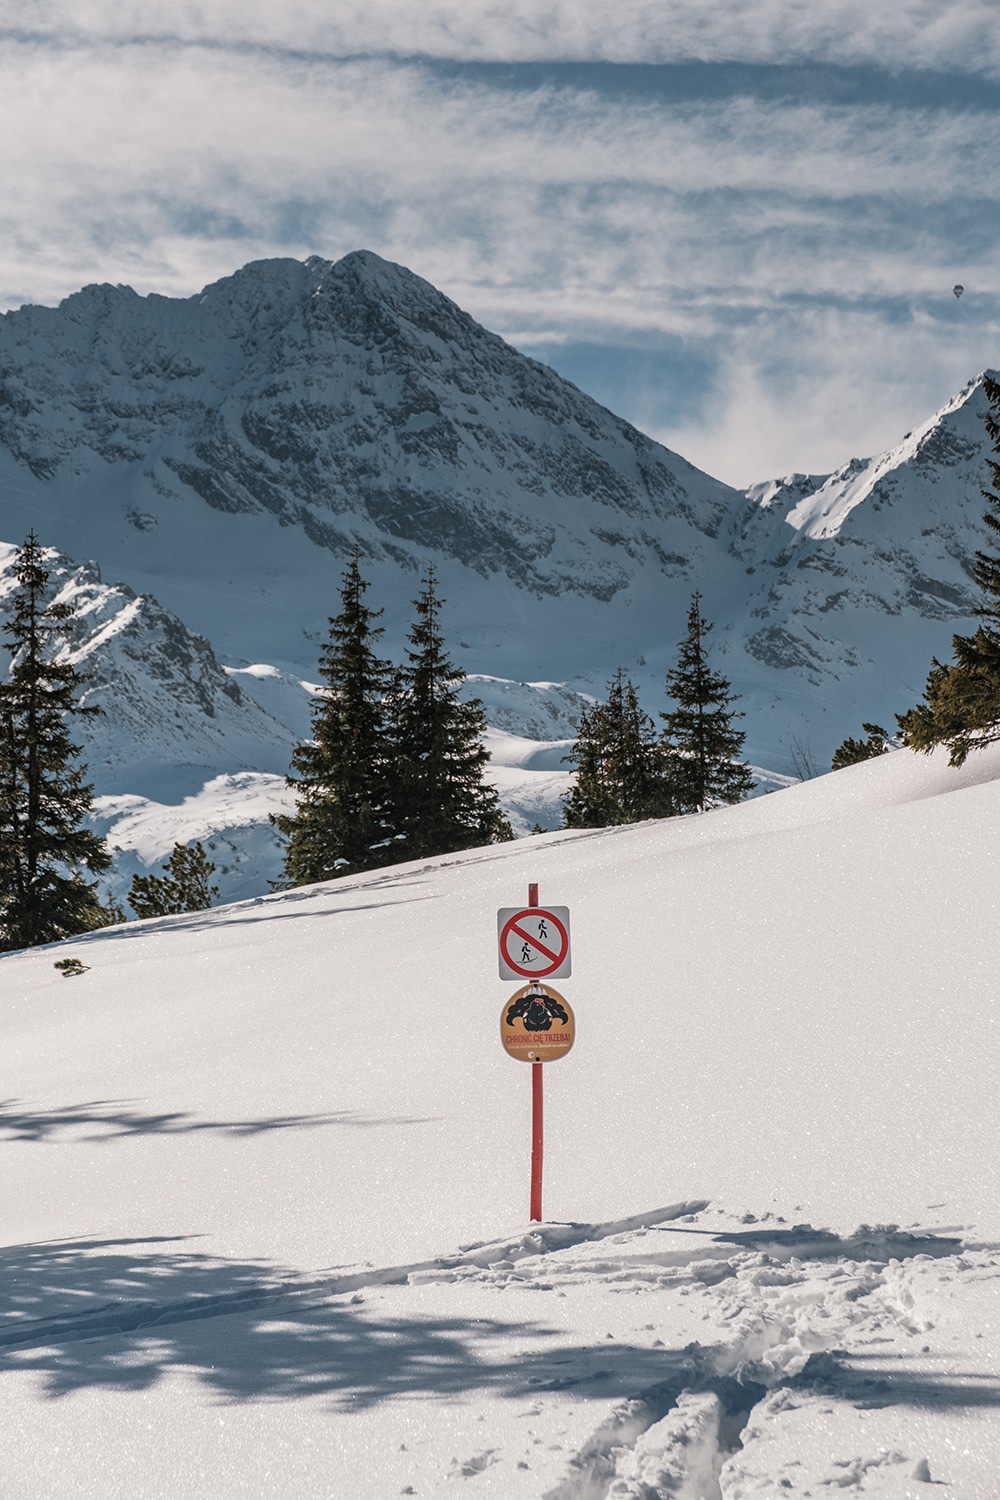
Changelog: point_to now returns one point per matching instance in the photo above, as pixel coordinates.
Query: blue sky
(737, 224)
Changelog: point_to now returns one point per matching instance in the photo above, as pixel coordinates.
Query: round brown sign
(536, 1024)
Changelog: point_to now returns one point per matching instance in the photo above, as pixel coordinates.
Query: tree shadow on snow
(123, 1314)
(868, 1242)
(111, 1119)
(874, 1381)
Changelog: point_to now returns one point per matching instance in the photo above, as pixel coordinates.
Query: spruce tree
(344, 776)
(621, 769)
(961, 704)
(699, 739)
(44, 798)
(443, 803)
(851, 752)
(184, 885)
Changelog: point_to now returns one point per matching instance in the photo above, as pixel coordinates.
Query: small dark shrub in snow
(70, 966)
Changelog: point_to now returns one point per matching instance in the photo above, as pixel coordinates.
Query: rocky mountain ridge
(354, 401)
(868, 571)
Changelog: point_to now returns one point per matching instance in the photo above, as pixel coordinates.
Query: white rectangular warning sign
(534, 942)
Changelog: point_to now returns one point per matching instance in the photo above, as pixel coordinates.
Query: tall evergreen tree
(44, 799)
(961, 704)
(621, 769)
(344, 776)
(443, 802)
(699, 739)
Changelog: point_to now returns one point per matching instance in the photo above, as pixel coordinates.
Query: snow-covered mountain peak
(351, 401)
(774, 493)
(952, 438)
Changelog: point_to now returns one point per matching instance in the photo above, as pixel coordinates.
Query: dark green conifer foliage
(344, 777)
(184, 887)
(44, 799)
(443, 802)
(699, 739)
(620, 767)
(852, 751)
(961, 704)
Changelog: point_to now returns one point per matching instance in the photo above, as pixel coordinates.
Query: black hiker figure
(537, 1008)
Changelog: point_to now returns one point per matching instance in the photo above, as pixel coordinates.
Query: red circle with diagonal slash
(555, 955)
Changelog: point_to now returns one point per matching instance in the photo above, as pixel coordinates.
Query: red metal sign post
(537, 1024)
(537, 1111)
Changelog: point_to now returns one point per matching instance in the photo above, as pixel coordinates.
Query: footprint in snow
(474, 1465)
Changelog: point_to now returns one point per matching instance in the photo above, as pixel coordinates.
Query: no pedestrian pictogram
(534, 942)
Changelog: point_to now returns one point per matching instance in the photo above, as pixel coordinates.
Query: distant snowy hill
(854, 580)
(169, 711)
(220, 455)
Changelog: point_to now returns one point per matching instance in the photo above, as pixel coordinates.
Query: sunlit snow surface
(266, 1174)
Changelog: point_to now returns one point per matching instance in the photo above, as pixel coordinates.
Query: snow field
(237, 1123)
(695, 1356)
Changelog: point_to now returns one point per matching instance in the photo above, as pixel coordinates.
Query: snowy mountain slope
(172, 721)
(229, 814)
(307, 406)
(224, 452)
(170, 713)
(266, 1174)
(856, 579)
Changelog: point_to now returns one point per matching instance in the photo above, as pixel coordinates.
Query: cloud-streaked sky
(737, 223)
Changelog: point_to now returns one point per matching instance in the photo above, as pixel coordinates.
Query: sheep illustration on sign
(537, 1025)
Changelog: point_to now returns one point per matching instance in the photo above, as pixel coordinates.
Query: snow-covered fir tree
(45, 845)
(620, 767)
(701, 743)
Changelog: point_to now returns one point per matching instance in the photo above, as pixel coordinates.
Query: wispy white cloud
(812, 391)
(551, 195)
(802, 248)
(896, 33)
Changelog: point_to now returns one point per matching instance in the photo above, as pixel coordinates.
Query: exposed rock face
(329, 395)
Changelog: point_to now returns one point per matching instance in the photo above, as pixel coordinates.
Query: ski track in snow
(802, 1321)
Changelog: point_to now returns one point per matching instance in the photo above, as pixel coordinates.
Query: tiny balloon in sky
(958, 289)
